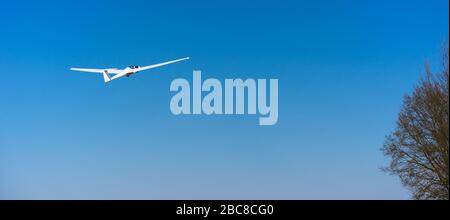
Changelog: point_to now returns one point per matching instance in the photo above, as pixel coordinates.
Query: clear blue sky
(343, 68)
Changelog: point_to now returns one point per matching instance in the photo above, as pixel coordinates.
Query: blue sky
(343, 68)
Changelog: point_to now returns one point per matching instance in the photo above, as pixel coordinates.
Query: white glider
(124, 72)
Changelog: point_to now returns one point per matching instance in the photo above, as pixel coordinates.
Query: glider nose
(106, 76)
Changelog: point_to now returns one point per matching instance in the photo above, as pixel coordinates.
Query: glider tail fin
(106, 76)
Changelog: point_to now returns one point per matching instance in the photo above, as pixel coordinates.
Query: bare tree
(418, 147)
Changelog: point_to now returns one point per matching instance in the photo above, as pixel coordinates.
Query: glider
(128, 71)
